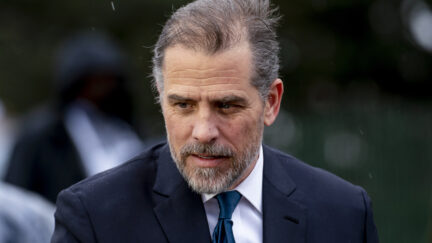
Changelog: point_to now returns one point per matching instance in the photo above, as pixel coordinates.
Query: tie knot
(227, 202)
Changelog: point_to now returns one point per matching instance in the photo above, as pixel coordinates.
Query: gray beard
(215, 180)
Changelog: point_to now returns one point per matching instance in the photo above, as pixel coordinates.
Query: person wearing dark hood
(90, 127)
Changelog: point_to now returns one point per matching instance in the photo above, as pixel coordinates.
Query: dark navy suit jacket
(147, 200)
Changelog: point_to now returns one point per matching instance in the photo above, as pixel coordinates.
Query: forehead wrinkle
(218, 70)
(212, 87)
(205, 82)
(197, 74)
(215, 94)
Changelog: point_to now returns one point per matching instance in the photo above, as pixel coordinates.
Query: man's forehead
(224, 61)
(185, 66)
(209, 89)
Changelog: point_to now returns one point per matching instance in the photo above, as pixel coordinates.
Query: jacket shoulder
(328, 200)
(313, 181)
(104, 206)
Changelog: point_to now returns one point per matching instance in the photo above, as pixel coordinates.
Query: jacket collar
(283, 216)
(179, 210)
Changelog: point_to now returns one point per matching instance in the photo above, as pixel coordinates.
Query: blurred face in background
(109, 93)
(214, 116)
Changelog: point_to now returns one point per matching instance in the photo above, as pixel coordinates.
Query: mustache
(207, 149)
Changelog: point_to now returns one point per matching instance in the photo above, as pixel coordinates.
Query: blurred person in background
(25, 217)
(88, 130)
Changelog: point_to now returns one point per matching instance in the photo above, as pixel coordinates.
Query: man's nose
(205, 128)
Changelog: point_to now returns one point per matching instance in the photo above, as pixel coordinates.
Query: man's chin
(208, 180)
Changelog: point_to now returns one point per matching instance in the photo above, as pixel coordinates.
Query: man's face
(213, 116)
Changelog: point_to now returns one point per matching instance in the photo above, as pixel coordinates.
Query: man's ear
(273, 102)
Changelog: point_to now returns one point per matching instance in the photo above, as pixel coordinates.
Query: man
(216, 69)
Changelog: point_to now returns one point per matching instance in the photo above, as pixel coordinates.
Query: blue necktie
(223, 231)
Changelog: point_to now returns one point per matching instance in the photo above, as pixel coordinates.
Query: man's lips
(205, 156)
(206, 160)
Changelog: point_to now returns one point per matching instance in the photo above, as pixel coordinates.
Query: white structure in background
(417, 15)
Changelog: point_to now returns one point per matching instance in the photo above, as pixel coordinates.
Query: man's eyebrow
(225, 99)
(232, 99)
(176, 97)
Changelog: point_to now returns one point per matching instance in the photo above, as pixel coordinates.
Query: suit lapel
(179, 210)
(284, 218)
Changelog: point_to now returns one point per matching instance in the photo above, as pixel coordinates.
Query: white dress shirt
(247, 216)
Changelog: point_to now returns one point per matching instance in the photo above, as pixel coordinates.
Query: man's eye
(225, 106)
(182, 105)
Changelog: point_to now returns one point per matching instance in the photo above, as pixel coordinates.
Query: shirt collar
(248, 187)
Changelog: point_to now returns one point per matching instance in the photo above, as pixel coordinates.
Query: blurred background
(357, 77)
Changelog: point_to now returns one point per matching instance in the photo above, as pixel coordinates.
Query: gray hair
(216, 25)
